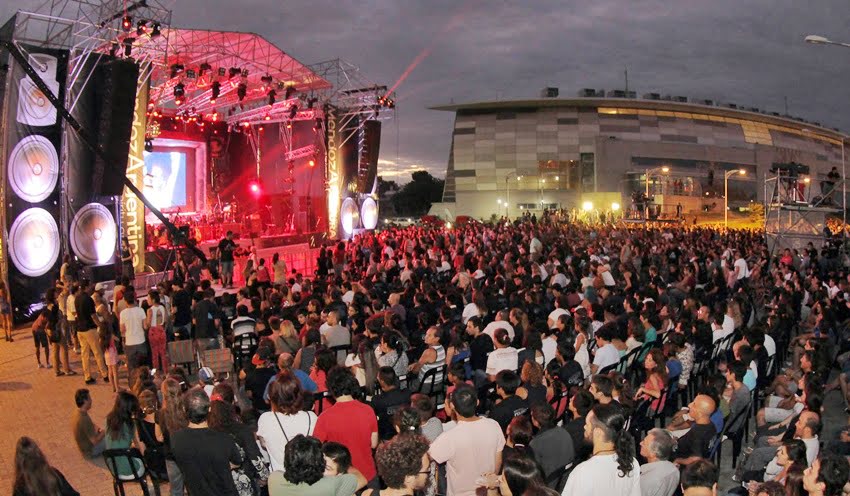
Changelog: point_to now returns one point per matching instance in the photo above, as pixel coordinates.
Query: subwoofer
(94, 235)
(34, 242)
(33, 168)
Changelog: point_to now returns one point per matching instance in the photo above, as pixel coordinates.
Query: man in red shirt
(349, 422)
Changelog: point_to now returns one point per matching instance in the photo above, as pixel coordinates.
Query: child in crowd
(110, 355)
(39, 337)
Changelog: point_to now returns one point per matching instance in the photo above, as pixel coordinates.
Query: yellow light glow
(448, 225)
(665, 169)
(742, 172)
(587, 206)
(615, 206)
(807, 180)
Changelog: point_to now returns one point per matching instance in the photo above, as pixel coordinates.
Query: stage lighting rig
(272, 94)
(311, 102)
(205, 67)
(216, 91)
(234, 71)
(176, 69)
(292, 111)
(113, 49)
(222, 72)
(127, 23)
(148, 145)
(242, 91)
(155, 31)
(141, 27)
(290, 90)
(128, 46)
(267, 80)
(179, 93)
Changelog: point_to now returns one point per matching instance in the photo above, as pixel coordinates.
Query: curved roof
(612, 104)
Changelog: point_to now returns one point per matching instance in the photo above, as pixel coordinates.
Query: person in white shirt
(741, 269)
(606, 353)
(722, 326)
(501, 322)
(612, 470)
(287, 418)
(504, 357)
(561, 306)
(132, 325)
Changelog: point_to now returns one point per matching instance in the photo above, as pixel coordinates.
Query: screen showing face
(165, 178)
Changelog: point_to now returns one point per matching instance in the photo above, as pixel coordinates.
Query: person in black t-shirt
(695, 443)
(206, 320)
(181, 310)
(205, 456)
(570, 373)
(509, 405)
(479, 347)
(226, 247)
(257, 378)
(391, 399)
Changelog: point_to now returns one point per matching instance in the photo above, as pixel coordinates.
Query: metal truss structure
(355, 97)
(792, 219)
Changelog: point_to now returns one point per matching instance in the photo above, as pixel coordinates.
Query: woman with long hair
(656, 379)
(121, 431)
(223, 418)
(304, 472)
(519, 475)
(392, 353)
(150, 434)
(286, 419)
(171, 419)
(34, 476)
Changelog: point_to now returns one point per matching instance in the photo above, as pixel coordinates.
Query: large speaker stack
(105, 98)
(32, 169)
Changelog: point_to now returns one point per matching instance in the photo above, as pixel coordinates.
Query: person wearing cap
(258, 378)
(206, 380)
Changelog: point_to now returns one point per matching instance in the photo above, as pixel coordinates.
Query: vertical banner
(333, 174)
(132, 209)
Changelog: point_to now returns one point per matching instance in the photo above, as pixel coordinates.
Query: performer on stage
(127, 259)
(225, 258)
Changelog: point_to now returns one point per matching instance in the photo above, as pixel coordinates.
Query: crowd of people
(524, 358)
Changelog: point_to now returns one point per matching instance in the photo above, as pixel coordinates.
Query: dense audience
(521, 358)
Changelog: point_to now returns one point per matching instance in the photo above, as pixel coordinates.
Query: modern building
(510, 156)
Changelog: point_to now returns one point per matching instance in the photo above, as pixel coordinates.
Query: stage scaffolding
(794, 218)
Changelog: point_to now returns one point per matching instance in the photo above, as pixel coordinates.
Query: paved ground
(37, 404)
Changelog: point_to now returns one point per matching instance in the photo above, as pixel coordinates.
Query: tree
(415, 198)
(386, 188)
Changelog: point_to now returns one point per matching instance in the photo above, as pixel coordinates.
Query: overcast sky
(750, 53)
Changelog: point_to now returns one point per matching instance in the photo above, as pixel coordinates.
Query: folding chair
(134, 458)
(220, 360)
(181, 353)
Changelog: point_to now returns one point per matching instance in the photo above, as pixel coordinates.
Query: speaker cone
(94, 234)
(369, 213)
(34, 109)
(348, 215)
(34, 242)
(33, 169)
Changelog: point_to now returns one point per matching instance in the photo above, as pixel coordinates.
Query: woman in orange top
(656, 379)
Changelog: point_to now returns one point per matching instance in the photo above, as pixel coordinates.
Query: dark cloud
(751, 53)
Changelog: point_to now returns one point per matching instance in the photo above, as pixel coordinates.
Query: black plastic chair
(433, 384)
(133, 457)
(344, 349)
(716, 446)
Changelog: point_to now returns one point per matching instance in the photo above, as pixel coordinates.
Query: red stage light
(261, 128)
(268, 117)
(288, 125)
(312, 163)
(255, 188)
(126, 23)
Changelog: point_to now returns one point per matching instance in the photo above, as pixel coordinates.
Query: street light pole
(648, 174)
(726, 177)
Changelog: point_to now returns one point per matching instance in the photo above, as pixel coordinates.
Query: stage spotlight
(176, 69)
(216, 91)
(141, 27)
(233, 71)
(292, 111)
(179, 93)
(245, 73)
(205, 67)
(127, 23)
(615, 206)
(222, 71)
(267, 79)
(255, 189)
(290, 90)
(242, 91)
(268, 117)
(148, 145)
(128, 46)
(272, 95)
(113, 49)
(312, 163)
(586, 206)
(156, 30)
